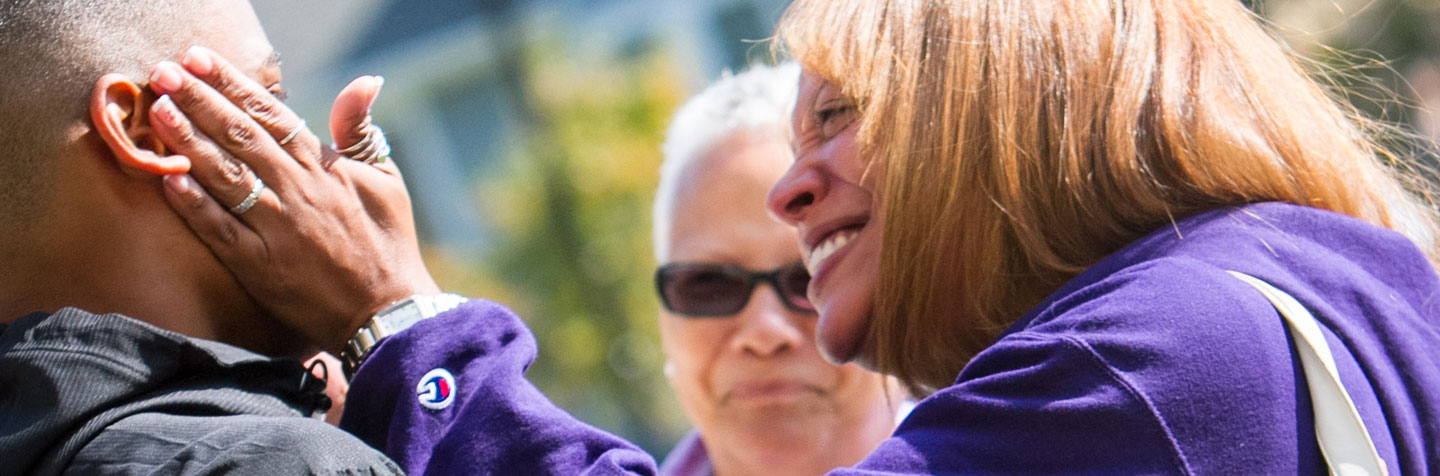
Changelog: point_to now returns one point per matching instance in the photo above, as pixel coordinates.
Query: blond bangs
(848, 43)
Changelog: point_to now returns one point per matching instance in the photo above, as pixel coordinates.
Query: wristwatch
(396, 317)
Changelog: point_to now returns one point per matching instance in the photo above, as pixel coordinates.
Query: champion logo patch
(436, 389)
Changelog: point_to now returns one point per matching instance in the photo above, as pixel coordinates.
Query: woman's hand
(326, 241)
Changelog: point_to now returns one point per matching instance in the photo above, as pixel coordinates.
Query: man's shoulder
(192, 444)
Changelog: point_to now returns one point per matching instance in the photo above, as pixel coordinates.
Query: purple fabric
(688, 458)
(1153, 361)
(498, 422)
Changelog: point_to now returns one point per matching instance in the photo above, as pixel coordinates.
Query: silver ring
(371, 149)
(358, 146)
(382, 147)
(293, 134)
(251, 199)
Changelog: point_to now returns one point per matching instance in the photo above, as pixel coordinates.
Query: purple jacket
(1153, 361)
(688, 458)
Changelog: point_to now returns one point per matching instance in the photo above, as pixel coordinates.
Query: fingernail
(379, 84)
(165, 110)
(197, 60)
(166, 78)
(179, 183)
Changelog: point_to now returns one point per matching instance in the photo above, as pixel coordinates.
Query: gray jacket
(82, 393)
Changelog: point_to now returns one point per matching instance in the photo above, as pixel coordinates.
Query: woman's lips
(829, 246)
(770, 392)
(821, 259)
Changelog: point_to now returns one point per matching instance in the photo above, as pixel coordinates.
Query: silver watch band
(396, 317)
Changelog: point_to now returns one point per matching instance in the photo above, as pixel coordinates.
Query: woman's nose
(766, 328)
(800, 187)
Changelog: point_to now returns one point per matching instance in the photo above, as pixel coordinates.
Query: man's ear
(118, 108)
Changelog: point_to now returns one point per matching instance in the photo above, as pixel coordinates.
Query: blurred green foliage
(1369, 50)
(573, 255)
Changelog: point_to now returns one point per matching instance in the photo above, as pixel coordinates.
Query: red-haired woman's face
(828, 197)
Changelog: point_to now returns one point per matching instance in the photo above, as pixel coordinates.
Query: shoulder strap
(1344, 442)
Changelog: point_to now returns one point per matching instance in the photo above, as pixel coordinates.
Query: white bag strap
(1344, 442)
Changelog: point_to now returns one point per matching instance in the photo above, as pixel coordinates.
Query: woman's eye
(832, 120)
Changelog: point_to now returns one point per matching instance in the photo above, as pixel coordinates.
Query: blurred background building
(529, 133)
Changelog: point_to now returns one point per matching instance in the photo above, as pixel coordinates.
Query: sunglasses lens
(703, 290)
(794, 280)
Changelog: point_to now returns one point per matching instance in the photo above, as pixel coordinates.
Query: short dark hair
(54, 51)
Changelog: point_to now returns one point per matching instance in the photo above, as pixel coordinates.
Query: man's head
(80, 167)
(740, 350)
(54, 52)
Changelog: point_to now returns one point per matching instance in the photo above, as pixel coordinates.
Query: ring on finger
(371, 149)
(293, 134)
(251, 199)
(382, 147)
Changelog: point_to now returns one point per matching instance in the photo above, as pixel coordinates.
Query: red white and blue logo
(436, 389)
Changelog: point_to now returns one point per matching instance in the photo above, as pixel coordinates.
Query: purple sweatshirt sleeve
(484, 417)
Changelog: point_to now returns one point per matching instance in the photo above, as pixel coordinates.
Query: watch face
(395, 318)
(399, 317)
(405, 313)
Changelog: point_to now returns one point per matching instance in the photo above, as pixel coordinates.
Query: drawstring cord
(315, 401)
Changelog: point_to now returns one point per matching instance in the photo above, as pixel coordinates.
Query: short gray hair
(761, 98)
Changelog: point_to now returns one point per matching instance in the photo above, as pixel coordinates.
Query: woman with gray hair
(741, 355)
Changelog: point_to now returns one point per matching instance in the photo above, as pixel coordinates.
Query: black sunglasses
(722, 290)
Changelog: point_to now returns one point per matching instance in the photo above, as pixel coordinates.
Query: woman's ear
(118, 107)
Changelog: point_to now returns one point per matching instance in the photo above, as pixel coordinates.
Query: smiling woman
(1009, 160)
(843, 247)
(958, 162)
